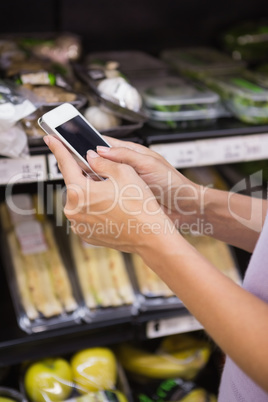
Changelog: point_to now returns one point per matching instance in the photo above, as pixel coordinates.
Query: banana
(184, 364)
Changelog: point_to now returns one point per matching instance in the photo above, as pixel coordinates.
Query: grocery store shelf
(224, 127)
(167, 322)
(226, 141)
(17, 346)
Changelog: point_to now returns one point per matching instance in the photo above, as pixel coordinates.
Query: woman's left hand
(119, 212)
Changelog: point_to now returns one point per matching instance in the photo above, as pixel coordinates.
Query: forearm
(233, 317)
(233, 218)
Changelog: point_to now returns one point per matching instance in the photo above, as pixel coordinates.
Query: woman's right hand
(179, 197)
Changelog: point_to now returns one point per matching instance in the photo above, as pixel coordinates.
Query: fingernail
(102, 149)
(46, 139)
(92, 154)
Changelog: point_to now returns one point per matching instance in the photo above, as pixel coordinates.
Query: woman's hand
(119, 212)
(179, 197)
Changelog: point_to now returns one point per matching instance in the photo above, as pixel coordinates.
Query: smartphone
(68, 125)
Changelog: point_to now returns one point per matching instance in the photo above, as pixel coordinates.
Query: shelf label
(170, 326)
(23, 170)
(182, 154)
(54, 172)
(256, 147)
(214, 151)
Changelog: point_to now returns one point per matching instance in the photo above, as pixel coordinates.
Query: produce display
(101, 119)
(243, 94)
(89, 375)
(41, 287)
(133, 64)
(179, 355)
(247, 41)
(118, 89)
(10, 395)
(199, 395)
(197, 62)
(49, 379)
(102, 275)
(171, 100)
(40, 66)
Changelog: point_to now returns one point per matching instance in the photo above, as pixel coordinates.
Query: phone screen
(80, 135)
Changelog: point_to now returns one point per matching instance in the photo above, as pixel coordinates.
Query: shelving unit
(227, 141)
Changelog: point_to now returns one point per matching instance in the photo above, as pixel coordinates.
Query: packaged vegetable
(122, 91)
(132, 63)
(61, 48)
(91, 374)
(247, 41)
(100, 118)
(173, 99)
(243, 95)
(196, 62)
(10, 395)
(180, 356)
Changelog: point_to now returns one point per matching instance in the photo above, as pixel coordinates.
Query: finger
(69, 168)
(114, 142)
(129, 157)
(104, 167)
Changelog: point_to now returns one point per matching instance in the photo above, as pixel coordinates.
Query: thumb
(69, 168)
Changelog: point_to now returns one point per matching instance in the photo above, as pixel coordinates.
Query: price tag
(256, 147)
(54, 172)
(31, 237)
(170, 326)
(182, 154)
(208, 151)
(233, 149)
(30, 169)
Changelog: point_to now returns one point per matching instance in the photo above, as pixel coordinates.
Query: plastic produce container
(11, 395)
(199, 61)
(247, 41)
(244, 95)
(171, 101)
(42, 284)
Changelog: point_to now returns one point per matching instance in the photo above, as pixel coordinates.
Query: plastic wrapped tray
(89, 78)
(77, 392)
(131, 63)
(152, 293)
(104, 281)
(247, 41)
(243, 95)
(199, 61)
(171, 100)
(42, 286)
(11, 394)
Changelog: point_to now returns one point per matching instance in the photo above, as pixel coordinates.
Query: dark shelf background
(149, 25)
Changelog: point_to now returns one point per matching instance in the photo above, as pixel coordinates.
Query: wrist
(188, 204)
(160, 243)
